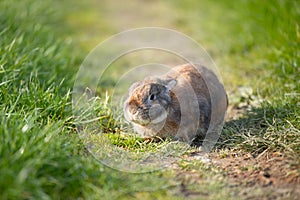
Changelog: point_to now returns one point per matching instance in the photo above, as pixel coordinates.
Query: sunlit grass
(255, 44)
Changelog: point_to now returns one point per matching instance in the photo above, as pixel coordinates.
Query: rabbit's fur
(176, 105)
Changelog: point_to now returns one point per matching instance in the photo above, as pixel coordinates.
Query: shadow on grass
(269, 127)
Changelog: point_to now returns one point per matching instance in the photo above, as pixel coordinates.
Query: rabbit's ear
(171, 84)
(133, 86)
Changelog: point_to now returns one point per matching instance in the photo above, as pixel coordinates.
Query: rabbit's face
(148, 103)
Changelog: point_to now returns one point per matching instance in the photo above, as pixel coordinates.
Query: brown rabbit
(176, 105)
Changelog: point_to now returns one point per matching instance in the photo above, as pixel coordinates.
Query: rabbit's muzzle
(144, 116)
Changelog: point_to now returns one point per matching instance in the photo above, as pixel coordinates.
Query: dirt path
(270, 173)
(137, 14)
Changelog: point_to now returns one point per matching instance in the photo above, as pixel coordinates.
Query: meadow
(256, 45)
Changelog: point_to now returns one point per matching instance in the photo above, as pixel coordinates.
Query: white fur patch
(160, 118)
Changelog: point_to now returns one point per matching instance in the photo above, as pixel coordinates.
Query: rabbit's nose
(135, 116)
(134, 113)
(133, 110)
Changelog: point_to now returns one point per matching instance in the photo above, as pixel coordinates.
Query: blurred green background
(255, 44)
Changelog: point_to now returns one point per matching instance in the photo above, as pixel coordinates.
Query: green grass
(254, 43)
(41, 154)
(266, 47)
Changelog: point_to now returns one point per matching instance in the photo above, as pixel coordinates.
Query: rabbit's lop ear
(171, 84)
(133, 86)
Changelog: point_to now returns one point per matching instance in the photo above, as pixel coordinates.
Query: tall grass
(38, 157)
(41, 155)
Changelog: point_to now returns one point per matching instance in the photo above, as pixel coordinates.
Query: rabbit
(176, 105)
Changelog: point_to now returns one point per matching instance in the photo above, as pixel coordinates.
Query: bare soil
(271, 171)
(269, 175)
(276, 175)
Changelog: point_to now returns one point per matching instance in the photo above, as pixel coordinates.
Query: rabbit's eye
(152, 97)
